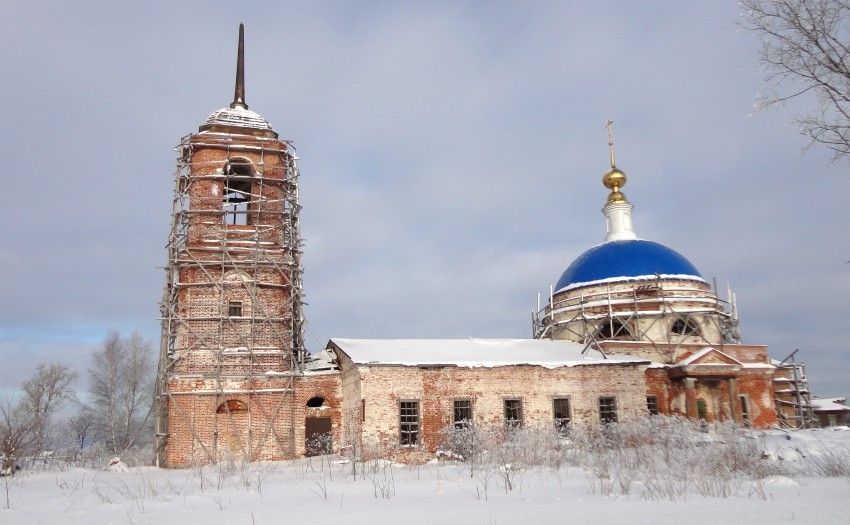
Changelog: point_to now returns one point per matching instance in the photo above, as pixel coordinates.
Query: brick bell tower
(232, 323)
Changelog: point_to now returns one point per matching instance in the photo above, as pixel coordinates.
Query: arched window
(683, 327)
(613, 329)
(316, 402)
(232, 406)
(236, 200)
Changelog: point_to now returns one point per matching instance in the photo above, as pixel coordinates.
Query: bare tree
(121, 384)
(17, 434)
(81, 425)
(44, 394)
(806, 50)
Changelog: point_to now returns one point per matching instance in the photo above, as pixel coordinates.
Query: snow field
(657, 472)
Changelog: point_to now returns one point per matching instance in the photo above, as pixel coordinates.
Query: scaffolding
(793, 399)
(677, 312)
(232, 306)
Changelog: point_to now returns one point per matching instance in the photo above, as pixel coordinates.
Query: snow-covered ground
(324, 490)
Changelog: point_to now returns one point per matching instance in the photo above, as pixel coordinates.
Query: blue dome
(625, 259)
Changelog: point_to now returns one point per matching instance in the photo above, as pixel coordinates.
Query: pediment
(708, 356)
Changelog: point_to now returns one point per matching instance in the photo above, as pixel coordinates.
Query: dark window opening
(462, 413)
(316, 402)
(234, 309)
(607, 409)
(239, 168)
(409, 423)
(561, 414)
(613, 329)
(682, 327)
(652, 405)
(702, 414)
(745, 413)
(702, 409)
(237, 191)
(513, 413)
(232, 406)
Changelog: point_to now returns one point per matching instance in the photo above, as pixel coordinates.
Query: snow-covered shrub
(828, 461)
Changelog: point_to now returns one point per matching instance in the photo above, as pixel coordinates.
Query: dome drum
(659, 310)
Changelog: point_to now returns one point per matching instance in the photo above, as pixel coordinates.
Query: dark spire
(239, 92)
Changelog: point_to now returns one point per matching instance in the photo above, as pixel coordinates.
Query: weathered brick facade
(373, 390)
(232, 302)
(231, 379)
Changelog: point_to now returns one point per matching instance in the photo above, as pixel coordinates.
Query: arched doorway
(318, 428)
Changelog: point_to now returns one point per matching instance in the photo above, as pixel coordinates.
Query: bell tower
(232, 322)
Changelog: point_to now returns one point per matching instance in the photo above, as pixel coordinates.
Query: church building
(630, 330)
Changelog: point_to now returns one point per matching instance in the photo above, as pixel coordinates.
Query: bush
(662, 457)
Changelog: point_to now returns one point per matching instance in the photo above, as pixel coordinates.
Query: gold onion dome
(614, 180)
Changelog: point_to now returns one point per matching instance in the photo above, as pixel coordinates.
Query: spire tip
(239, 91)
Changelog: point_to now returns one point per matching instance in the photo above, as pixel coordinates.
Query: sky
(451, 156)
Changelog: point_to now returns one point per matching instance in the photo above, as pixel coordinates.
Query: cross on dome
(617, 210)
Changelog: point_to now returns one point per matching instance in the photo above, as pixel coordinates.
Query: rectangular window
(652, 405)
(234, 309)
(409, 423)
(561, 413)
(745, 413)
(513, 413)
(462, 413)
(607, 409)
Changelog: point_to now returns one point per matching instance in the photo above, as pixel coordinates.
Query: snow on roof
(475, 353)
(238, 117)
(830, 403)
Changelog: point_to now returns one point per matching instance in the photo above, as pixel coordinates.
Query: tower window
(232, 406)
(234, 309)
(462, 413)
(237, 191)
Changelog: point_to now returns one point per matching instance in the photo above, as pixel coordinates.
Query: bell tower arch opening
(237, 193)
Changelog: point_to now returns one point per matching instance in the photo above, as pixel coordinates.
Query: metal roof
(626, 259)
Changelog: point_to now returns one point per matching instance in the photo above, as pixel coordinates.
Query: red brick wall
(757, 386)
(220, 357)
(271, 429)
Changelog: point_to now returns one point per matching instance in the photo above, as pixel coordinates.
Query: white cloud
(451, 158)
